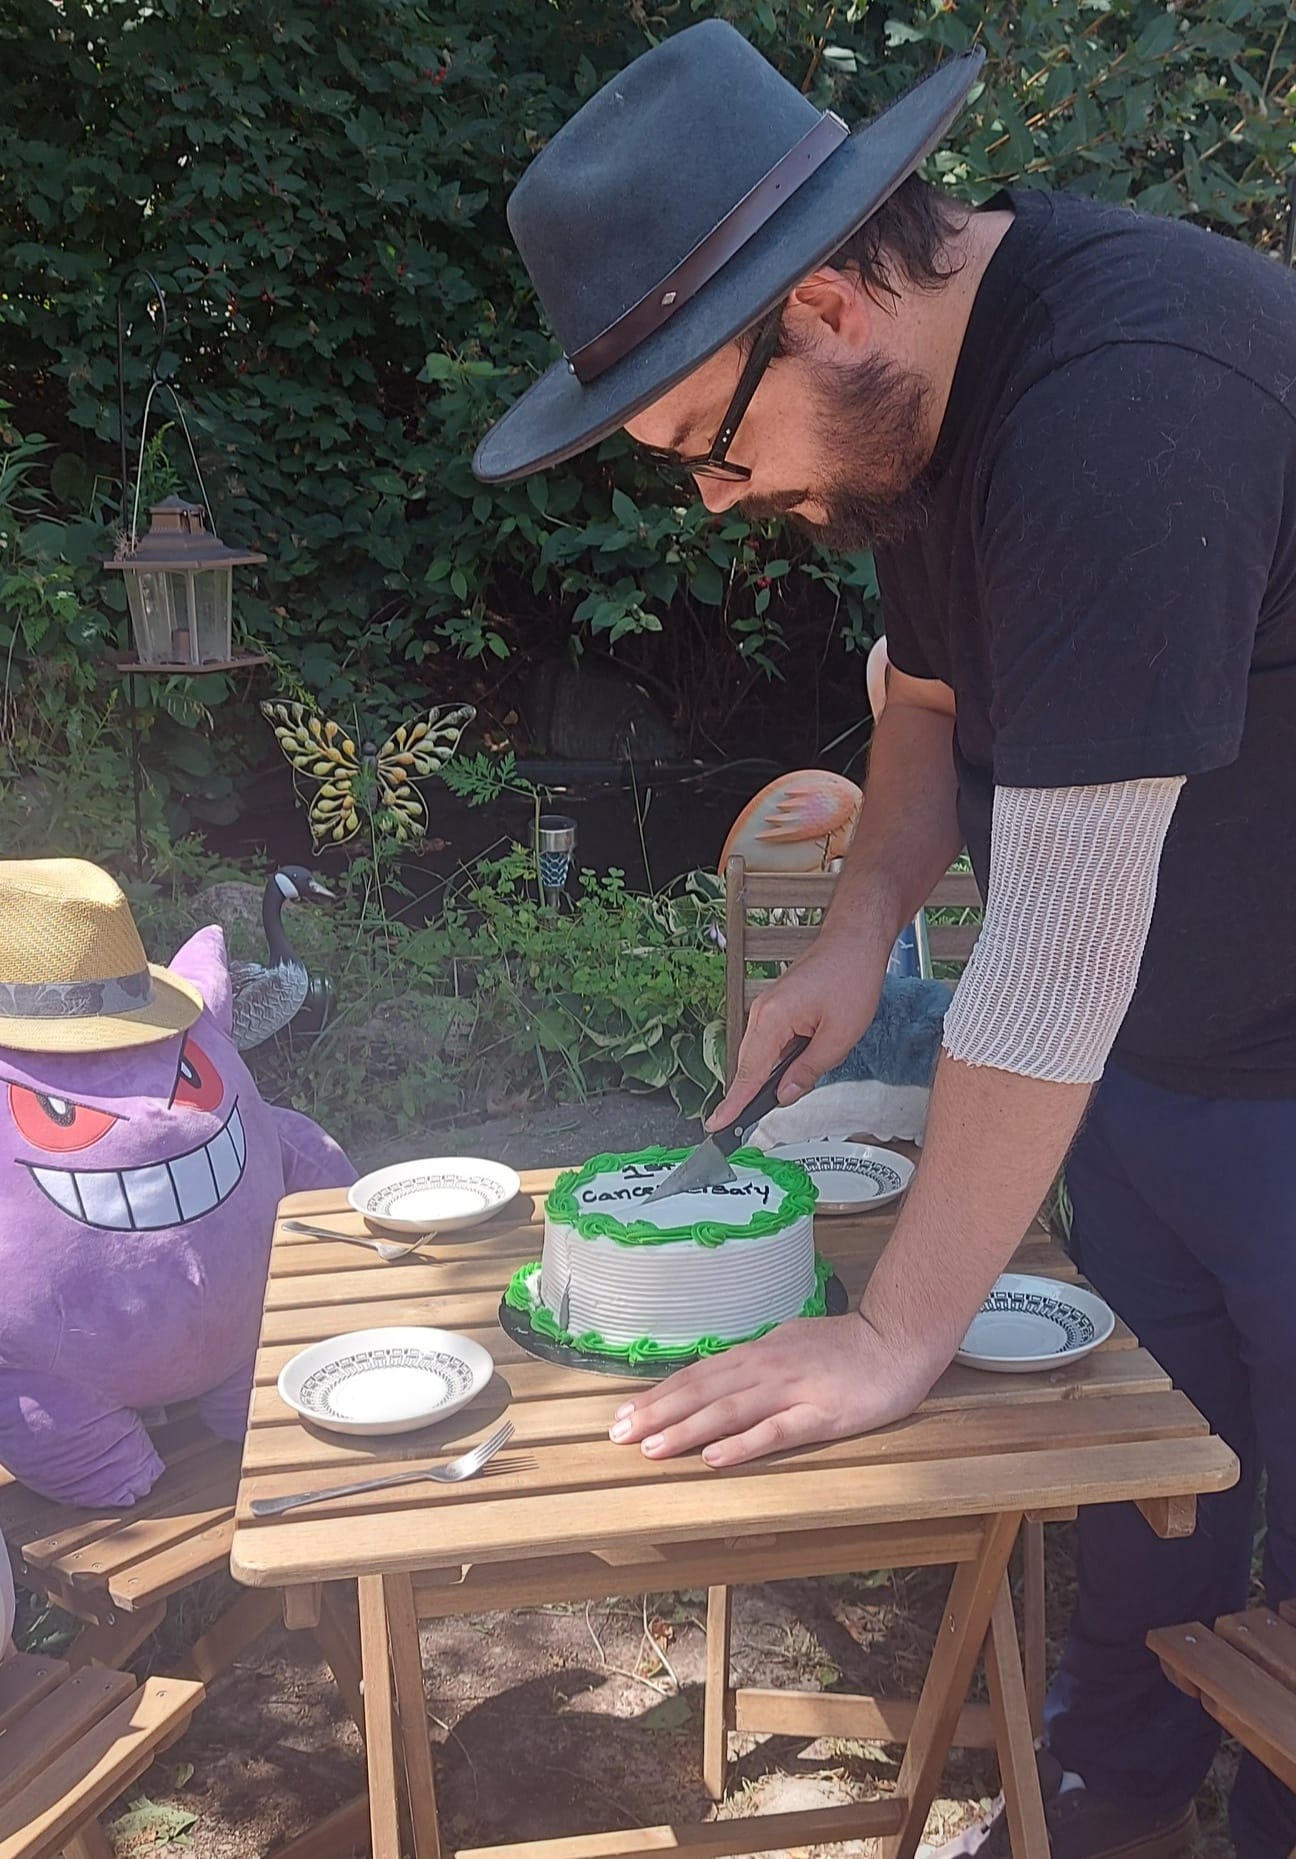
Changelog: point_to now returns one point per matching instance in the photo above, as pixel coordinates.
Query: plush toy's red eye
(56, 1123)
(199, 1085)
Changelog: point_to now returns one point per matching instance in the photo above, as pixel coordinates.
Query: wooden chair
(116, 1571)
(764, 945)
(70, 1743)
(808, 894)
(1244, 1675)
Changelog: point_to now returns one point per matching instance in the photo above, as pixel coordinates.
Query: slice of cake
(687, 1276)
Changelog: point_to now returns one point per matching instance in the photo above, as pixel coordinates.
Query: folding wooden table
(563, 1514)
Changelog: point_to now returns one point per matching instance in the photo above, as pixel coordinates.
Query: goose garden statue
(268, 995)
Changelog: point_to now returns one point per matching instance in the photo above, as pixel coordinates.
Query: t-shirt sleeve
(903, 649)
(1132, 508)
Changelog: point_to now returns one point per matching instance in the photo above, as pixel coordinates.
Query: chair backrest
(749, 944)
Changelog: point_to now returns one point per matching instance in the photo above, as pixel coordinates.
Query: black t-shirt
(1108, 582)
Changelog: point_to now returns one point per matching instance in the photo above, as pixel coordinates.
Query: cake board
(516, 1324)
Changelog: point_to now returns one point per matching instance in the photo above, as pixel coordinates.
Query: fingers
(824, 1051)
(688, 1392)
(768, 1033)
(742, 1425)
(777, 1432)
(718, 1420)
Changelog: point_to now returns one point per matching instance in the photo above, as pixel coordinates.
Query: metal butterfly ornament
(360, 780)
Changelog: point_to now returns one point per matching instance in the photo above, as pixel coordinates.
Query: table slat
(533, 1461)
(294, 1548)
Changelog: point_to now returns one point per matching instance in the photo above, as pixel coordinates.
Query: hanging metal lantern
(179, 584)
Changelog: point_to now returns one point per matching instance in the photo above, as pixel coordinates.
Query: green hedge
(322, 183)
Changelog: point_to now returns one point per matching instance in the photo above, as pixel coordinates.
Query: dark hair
(907, 238)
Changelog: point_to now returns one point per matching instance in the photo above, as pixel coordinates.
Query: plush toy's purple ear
(204, 962)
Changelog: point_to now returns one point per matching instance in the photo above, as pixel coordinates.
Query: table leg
(1014, 1733)
(715, 1697)
(89, 1842)
(411, 1711)
(379, 1720)
(1033, 1644)
(337, 1634)
(962, 1634)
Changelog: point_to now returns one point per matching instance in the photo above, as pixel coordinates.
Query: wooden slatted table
(563, 1514)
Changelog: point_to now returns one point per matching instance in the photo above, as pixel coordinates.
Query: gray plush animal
(882, 1086)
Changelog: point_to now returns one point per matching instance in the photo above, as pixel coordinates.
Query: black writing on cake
(734, 1190)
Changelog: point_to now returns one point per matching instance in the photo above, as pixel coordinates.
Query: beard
(873, 435)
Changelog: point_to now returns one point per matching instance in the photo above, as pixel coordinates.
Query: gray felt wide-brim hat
(681, 202)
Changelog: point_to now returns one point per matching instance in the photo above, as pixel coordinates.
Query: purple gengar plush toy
(138, 1190)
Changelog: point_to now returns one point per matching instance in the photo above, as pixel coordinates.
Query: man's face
(835, 436)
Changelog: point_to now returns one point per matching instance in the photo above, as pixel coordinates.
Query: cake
(688, 1276)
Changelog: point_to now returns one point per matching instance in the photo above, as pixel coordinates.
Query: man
(1070, 434)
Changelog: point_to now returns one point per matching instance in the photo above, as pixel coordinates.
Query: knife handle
(765, 1100)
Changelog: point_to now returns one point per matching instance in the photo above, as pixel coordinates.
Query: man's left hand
(810, 1379)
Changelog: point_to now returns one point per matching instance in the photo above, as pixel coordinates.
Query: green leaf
(1158, 36)
(671, 1714)
(706, 584)
(713, 1049)
(624, 510)
(149, 1826)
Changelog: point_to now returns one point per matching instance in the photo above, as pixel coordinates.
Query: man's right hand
(829, 995)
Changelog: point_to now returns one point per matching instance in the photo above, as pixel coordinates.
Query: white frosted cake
(689, 1275)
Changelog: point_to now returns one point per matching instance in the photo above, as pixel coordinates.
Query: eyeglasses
(715, 462)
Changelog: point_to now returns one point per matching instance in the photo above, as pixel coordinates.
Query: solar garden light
(555, 844)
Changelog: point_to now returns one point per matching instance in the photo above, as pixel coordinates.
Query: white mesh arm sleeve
(1073, 875)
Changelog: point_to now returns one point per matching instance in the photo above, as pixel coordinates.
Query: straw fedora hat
(73, 973)
(680, 204)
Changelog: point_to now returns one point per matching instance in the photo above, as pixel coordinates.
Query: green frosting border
(645, 1348)
(799, 1198)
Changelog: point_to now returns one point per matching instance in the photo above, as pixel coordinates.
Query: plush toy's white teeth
(144, 1200)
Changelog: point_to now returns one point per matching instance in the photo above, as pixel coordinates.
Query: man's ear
(834, 304)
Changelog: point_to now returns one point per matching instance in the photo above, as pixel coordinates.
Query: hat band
(739, 225)
(75, 1000)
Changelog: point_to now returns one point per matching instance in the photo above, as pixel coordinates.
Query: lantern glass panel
(213, 603)
(152, 615)
(183, 649)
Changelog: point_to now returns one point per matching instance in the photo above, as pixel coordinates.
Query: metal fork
(467, 1465)
(356, 1239)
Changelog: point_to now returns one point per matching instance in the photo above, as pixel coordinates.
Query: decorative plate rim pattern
(386, 1199)
(1078, 1326)
(317, 1389)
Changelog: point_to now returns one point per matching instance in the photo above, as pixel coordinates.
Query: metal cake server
(708, 1166)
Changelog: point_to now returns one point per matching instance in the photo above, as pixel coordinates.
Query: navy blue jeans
(1185, 1221)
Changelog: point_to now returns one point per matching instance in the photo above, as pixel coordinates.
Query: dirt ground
(569, 1719)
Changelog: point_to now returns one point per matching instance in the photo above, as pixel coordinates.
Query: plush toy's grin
(146, 1200)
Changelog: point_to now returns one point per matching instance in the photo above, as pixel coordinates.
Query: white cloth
(836, 1112)
(1073, 875)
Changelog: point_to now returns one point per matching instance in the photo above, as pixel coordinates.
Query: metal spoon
(467, 1465)
(357, 1239)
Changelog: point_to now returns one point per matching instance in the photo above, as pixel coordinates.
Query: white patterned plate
(851, 1177)
(385, 1381)
(439, 1195)
(1028, 1324)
